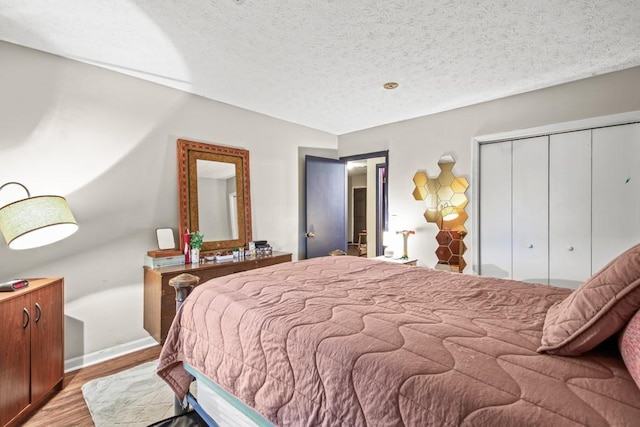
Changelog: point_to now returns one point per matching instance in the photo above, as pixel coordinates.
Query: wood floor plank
(68, 408)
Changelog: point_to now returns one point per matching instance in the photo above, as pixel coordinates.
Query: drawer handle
(530, 245)
(26, 317)
(570, 248)
(39, 312)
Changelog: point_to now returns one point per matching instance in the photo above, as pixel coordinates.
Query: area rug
(136, 397)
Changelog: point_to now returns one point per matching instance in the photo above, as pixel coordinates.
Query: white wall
(417, 144)
(107, 142)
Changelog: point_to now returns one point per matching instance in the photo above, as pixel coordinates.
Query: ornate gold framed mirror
(214, 195)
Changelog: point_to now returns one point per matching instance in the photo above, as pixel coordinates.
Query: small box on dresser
(32, 348)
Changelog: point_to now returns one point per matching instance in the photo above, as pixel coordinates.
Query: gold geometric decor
(451, 247)
(443, 196)
(445, 203)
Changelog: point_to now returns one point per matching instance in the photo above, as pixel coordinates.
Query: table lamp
(405, 236)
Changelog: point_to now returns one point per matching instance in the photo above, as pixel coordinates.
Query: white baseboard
(83, 361)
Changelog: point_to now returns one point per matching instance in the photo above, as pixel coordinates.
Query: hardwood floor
(67, 408)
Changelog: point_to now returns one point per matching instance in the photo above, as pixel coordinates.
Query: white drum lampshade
(449, 213)
(36, 221)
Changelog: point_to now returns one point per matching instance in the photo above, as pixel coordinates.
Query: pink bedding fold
(350, 341)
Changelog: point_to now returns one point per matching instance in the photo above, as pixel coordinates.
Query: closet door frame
(576, 125)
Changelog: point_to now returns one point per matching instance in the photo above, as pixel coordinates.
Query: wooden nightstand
(407, 261)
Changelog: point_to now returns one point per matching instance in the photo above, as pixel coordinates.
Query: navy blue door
(326, 205)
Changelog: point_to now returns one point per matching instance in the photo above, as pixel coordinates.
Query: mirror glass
(217, 200)
(214, 194)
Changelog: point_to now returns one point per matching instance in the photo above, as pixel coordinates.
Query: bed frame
(226, 408)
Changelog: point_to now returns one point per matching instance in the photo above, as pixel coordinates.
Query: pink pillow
(599, 308)
(629, 343)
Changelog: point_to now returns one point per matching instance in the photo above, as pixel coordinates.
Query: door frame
(382, 201)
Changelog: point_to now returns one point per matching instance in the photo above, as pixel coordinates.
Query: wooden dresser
(31, 348)
(160, 298)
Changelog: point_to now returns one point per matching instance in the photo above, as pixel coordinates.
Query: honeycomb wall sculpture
(445, 190)
(451, 247)
(444, 197)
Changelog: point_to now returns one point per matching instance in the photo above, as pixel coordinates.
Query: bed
(350, 341)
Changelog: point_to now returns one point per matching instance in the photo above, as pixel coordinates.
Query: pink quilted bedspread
(349, 341)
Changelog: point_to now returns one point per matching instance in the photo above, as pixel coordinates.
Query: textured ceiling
(322, 63)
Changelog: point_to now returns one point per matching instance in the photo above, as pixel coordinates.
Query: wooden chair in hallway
(362, 243)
